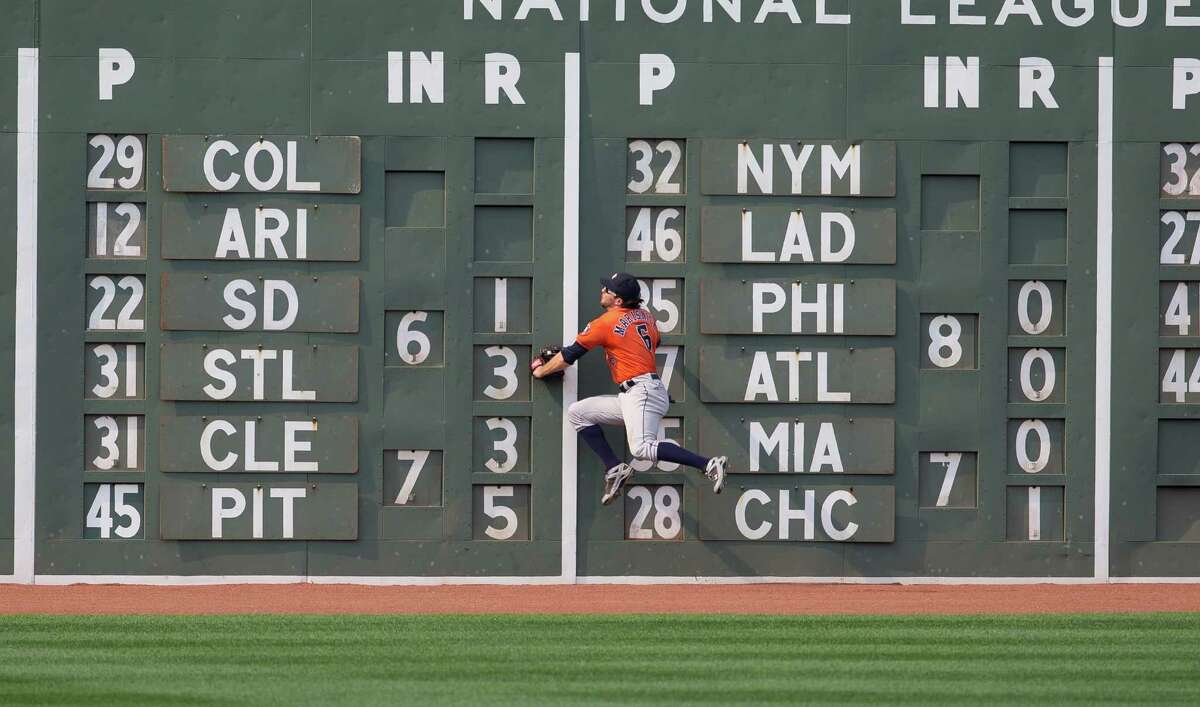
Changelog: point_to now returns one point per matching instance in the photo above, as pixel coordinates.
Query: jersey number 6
(644, 332)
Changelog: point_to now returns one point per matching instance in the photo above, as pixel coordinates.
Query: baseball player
(629, 336)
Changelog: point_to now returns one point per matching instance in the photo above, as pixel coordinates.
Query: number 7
(952, 460)
(418, 459)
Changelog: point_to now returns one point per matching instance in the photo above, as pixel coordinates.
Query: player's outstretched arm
(555, 365)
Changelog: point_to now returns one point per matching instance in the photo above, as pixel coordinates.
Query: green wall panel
(433, 268)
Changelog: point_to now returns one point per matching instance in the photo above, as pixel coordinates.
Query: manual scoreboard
(926, 272)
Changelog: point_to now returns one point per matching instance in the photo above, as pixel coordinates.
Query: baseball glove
(543, 356)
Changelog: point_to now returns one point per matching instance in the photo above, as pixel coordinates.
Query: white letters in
(664, 18)
(210, 158)
(1085, 8)
(739, 514)
(908, 18)
(493, 8)
(962, 82)
(501, 74)
(271, 290)
(1019, 7)
(761, 381)
(221, 512)
(825, 18)
(292, 446)
(1173, 17)
(732, 9)
(1186, 82)
(772, 6)
(550, 6)
(826, 455)
(427, 77)
(958, 18)
(1037, 76)
(116, 68)
(839, 496)
(1121, 19)
(655, 73)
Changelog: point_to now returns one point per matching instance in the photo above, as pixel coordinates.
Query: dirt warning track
(599, 599)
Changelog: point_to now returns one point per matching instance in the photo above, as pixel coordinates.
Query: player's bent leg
(593, 436)
(713, 467)
(586, 416)
(596, 410)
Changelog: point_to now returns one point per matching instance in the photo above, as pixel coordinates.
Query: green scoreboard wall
(927, 272)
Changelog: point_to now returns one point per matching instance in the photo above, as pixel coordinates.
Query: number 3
(506, 445)
(506, 371)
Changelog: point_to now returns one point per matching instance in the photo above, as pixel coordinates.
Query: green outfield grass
(558, 659)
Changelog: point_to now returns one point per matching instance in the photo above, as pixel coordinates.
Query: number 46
(654, 236)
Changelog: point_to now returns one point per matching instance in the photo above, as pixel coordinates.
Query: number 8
(940, 342)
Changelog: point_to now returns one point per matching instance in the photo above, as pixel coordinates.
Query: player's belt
(634, 381)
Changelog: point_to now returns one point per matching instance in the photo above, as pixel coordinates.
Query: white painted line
(201, 580)
(61, 580)
(1035, 513)
(440, 581)
(1153, 580)
(1104, 304)
(25, 368)
(570, 305)
(501, 305)
(838, 580)
(197, 580)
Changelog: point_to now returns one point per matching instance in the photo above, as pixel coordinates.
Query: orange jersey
(628, 337)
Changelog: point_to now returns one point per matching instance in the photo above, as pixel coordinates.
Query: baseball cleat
(614, 481)
(715, 471)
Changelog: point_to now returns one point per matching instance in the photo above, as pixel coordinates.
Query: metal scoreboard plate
(771, 375)
(802, 445)
(805, 306)
(246, 163)
(270, 444)
(772, 511)
(287, 302)
(317, 373)
(797, 236)
(262, 511)
(798, 168)
(251, 228)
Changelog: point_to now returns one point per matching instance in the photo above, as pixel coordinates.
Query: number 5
(493, 510)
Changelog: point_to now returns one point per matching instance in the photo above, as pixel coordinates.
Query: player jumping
(629, 336)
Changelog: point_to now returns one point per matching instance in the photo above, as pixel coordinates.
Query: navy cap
(623, 285)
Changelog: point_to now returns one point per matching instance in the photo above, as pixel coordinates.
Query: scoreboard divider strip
(199, 580)
(1104, 307)
(570, 305)
(25, 344)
